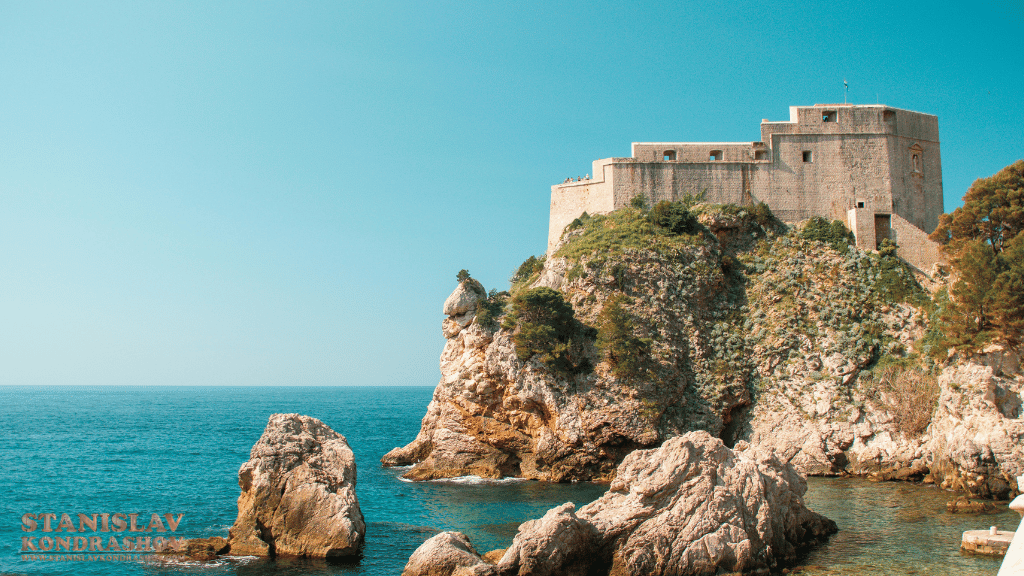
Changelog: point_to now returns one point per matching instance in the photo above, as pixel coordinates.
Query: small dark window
(808, 156)
(888, 116)
(715, 155)
(760, 155)
(670, 155)
(828, 116)
(860, 204)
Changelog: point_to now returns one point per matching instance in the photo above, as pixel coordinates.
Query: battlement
(826, 160)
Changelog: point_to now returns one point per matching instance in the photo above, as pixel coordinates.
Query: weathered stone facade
(875, 167)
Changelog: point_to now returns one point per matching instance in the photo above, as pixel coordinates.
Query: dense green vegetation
(674, 217)
(984, 240)
(834, 233)
(546, 328)
(527, 272)
(490, 309)
(618, 342)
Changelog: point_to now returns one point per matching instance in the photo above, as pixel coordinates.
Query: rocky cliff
(744, 329)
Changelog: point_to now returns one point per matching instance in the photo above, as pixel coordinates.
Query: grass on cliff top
(621, 230)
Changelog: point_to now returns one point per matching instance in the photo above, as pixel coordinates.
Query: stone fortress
(874, 167)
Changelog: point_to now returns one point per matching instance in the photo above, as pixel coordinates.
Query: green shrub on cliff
(490, 309)
(674, 217)
(835, 234)
(617, 340)
(546, 327)
(530, 267)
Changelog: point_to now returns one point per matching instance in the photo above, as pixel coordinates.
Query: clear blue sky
(258, 193)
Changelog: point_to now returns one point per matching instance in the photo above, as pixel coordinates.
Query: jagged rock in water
(298, 493)
(691, 507)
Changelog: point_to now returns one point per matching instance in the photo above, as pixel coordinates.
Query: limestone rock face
(298, 493)
(691, 507)
(460, 307)
(973, 443)
(756, 335)
(976, 438)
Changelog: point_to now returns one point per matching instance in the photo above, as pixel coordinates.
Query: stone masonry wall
(825, 161)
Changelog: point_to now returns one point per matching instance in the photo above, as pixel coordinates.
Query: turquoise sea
(177, 450)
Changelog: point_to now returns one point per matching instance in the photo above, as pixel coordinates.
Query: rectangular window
(715, 155)
(828, 116)
(670, 155)
(808, 156)
(760, 155)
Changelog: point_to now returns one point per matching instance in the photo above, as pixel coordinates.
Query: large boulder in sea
(298, 493)
(691, 507)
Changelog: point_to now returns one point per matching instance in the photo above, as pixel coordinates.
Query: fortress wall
(844, 169)
(696, 151)
(917, 188)
(657, 181)
(861, 222)
(857, 155)
(914, 247)
(570, 200)
(917, 125)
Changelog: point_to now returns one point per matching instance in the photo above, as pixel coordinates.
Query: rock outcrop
(298, 493)
(691, 507)
(755, 334)
(444, 554)
(972, 443)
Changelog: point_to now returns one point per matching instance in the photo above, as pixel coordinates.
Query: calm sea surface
(177, 450)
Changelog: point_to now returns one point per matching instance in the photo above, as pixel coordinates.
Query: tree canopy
(993, 212)
(984, 240)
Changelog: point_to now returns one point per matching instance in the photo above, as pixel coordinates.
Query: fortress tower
(874, 167)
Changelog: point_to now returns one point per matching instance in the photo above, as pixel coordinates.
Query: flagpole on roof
(846, 90)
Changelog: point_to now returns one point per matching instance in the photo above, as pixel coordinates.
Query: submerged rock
(298, 493)
(691, 507)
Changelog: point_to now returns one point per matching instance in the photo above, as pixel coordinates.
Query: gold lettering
(84, 521)
(29, 523)
(46, 521)
(112, 545)
(134, 527)
(81, 543)
(172, 522)
(106, 526)
(28, 543)
(95, 543)
(63, 542)
(155, 524)
(66, 523)
(119, 522)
